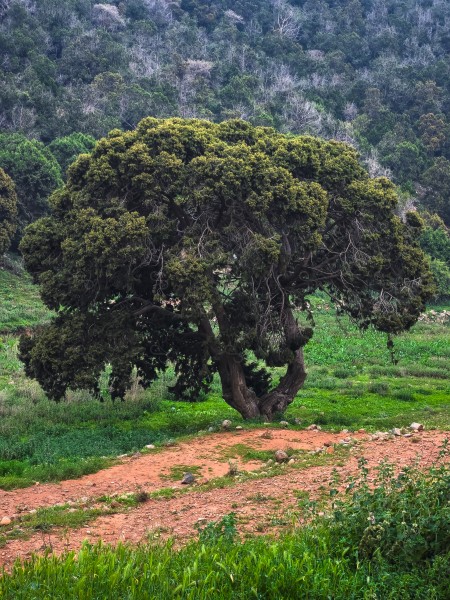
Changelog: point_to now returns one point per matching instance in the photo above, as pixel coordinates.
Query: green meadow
(352, 384)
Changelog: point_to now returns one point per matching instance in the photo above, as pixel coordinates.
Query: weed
(381, 388)
(233, 468)
(260, 498)
(223, 531)
(405, 396)
(177, 471)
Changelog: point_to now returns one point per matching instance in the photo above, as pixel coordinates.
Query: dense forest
(374, 73)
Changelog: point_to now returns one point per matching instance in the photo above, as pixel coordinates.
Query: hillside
(372, 72)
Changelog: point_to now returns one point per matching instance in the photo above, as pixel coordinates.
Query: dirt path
(260, 504)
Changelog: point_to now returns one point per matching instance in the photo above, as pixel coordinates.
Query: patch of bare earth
(260, 504)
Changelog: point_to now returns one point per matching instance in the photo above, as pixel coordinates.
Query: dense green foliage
(67, 149)
(35, 172)
(392, 542)
(435, 241)
(373, 72)
(166, 230)
(8, 211)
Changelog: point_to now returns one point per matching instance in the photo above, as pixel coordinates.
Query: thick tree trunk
(278, 399)
(234, 386)
(242, 398)
(235, 391)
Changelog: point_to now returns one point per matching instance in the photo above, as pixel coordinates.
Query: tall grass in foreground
(385, 543)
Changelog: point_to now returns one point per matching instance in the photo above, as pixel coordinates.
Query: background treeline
(371, 72)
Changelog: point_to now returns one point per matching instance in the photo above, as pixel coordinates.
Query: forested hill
(374, 72)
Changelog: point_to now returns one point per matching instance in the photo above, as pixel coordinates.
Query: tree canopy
(8, 211)
(35, 172)
(190, 243)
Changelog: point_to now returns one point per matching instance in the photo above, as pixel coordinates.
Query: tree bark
(235, 390)
(242, 398)
(278, 399)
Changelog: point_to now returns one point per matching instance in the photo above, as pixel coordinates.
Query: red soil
(258, 503)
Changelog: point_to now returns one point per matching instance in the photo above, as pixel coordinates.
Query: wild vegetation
(206, 251)
(351, 383)
(368, 71)
(388, 542)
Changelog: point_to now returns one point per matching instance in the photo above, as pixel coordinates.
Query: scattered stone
(188, 479)
(5, 521)
(327, 444)
(344, 431)
(416, 427)
(266, 423)
(284, 424)
(313, 427)
(150, 446)
(266, 435)
(407, 435)
(211, 429)
(239, 428)
(297, 421)
(291, 461)
(137, 454)
(396, 431)
(226, 424)
(361, 431)
(281, 456)
(122, 455)
(269, 463)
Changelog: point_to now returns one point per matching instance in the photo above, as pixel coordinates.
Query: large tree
(191, 243)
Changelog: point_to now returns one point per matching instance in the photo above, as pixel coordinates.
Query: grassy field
(352, 383)
(389, 542)
(20, 305)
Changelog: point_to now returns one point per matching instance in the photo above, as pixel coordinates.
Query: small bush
(343, 373)
(221, 531)
(379, 387)
(405, 396)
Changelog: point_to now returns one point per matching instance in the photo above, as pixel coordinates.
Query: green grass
(351, 384)
(48, 519)
(388, 542)
(20, 473)
(177, 471)
(20, 304)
